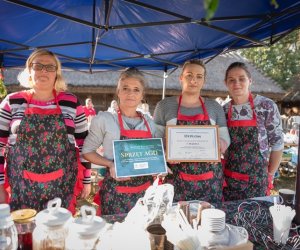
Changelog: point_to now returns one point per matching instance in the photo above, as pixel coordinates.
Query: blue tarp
(94, 35)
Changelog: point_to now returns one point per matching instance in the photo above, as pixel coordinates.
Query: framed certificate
(192, 143)
(138, 157)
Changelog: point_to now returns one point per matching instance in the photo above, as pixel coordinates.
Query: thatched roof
(214, 85)
(293, 95)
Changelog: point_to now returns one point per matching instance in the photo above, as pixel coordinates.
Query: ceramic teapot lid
(88, 225)
(54, 215)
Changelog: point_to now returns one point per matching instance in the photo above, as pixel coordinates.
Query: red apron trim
(242, 123)
(236, 175)
(198, 177)
(134, 133)
(198, 117)
(43, 177)
(39, 111)
(78, 185)
(133, 190)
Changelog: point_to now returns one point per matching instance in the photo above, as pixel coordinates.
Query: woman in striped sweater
(41, 134)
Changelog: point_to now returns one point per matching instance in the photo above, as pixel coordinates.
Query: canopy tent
(93, 35)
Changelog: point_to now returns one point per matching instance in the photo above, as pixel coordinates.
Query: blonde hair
(194, 61)
(132, 73)
(25, 79)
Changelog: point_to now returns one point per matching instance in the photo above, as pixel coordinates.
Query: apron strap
(138, 133)
(242, 123)
(36, 110)
(201, 117)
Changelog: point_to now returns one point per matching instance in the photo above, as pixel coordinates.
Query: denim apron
(196, 180)
(42, 164)
(120, 196)
(245, 167)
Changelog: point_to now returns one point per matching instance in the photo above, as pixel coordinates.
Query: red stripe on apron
(236, 175)
(43, 177)
(198, 177)
(39, 111)
(133, 190)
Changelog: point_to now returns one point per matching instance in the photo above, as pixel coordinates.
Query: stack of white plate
(213, 220)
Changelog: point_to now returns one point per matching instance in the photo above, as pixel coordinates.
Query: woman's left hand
(113, 173)
(85, 191)
(223, 146)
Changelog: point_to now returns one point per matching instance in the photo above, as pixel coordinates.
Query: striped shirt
(12, 111)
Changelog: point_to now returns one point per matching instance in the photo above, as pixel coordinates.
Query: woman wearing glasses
(42, 129)
(119, 195)
(194, 180)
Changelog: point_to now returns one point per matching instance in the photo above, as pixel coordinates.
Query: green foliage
(3, 91)
(274, 3)
(211, 7)
(280, 61)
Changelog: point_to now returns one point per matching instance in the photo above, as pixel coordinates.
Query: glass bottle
(51, 227)
(85, 231)
(8, 231)
(25, 223)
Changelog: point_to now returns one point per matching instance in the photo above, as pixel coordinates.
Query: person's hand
(3, 195)
(174, 162)
(113, 173)
(223, 146)
(85, 191)
(169, 170)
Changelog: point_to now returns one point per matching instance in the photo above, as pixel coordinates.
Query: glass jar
(85, 232)
(25, 223)
(8, 231)
(51, 227)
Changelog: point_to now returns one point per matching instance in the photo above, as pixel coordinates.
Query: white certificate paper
(192, 143)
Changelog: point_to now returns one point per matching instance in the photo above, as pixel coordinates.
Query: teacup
(287, 196)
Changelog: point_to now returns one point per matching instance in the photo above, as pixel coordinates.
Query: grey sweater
(105, 128)
(165, 113)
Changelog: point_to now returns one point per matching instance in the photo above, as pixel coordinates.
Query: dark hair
(238, 65)
(194, 61)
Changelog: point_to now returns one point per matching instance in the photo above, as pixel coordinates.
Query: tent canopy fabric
(94, 35)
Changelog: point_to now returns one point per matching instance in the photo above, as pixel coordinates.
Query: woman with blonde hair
(42, 130)
(194, 180)
(119, 195)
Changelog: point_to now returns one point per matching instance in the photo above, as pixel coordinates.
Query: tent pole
(164, 83)
(297, 197)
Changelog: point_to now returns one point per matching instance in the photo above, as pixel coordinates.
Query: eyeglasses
(39, 67)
